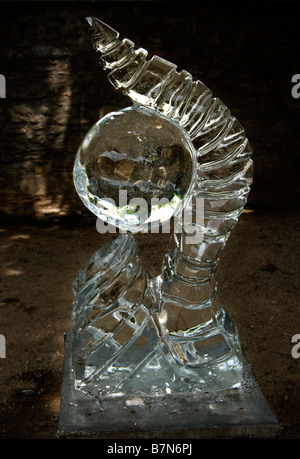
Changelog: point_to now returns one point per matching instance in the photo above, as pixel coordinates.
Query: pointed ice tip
(100, 25)
(89, 20)
(103, 36)
(94, 22)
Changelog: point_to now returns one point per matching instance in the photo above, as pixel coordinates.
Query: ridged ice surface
(189, 341)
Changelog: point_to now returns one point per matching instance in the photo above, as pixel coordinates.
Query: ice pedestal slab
(239, 412)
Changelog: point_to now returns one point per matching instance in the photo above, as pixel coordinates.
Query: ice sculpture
(132, 332)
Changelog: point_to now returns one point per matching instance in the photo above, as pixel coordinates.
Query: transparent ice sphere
(135, 167)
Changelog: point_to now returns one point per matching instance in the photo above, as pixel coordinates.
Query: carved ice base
(239, 412)
(120, 344)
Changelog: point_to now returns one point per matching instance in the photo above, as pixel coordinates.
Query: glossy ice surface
(122, 343)
(133, 333)
(134, 167)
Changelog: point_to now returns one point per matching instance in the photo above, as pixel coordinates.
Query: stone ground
(259, 285)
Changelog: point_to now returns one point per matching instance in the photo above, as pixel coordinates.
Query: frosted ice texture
(133, 333)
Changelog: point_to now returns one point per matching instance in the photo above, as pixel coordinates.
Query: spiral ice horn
(119, 56)
(141, 79)
(197, 342)
(218, 137)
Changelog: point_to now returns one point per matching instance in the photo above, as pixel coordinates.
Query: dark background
(246, 53)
